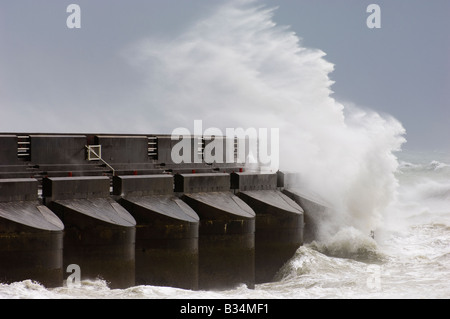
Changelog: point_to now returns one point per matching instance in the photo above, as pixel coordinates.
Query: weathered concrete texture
(166, 241)
(81, 187)
(209, 196)
(143, 185)
(279, 230)
(274, 208)
(167, 231)
(8, 150)
(244, 181)
(195, 183)
(226, 260)
(219, 151)
(85, 197)
(113, 261)
(29, 216)
(188, 149)
(18, 189)
(155, 194)
(58, 149)
(99, 237)
(54, 155)
(279, 222)
(104, 210)
(99, 232)
(316, 209)
(219, 206)
(123, 149)
(15, 171)
(31, 236)
(316, 212)
(164, 149)
(20, 209)
(32, 255)
(227, 227)
(168, 263)
(165, 208)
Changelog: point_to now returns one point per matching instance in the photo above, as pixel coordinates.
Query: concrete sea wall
(121, 209)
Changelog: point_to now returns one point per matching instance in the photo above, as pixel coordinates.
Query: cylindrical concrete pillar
(31, 236)
(166, 233)
(279, 222)
(99, 233)
(227, 230)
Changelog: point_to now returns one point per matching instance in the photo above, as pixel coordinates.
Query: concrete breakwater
(119, 208)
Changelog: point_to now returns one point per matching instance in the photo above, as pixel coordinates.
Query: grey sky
(49, 74)
(402, 69)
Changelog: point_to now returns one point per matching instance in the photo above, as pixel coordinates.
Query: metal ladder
(152, 147)
(24, 148)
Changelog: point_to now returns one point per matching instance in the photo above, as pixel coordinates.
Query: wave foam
(238, 68)
(350, 243)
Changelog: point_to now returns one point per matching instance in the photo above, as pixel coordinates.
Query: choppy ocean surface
(408, 258)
